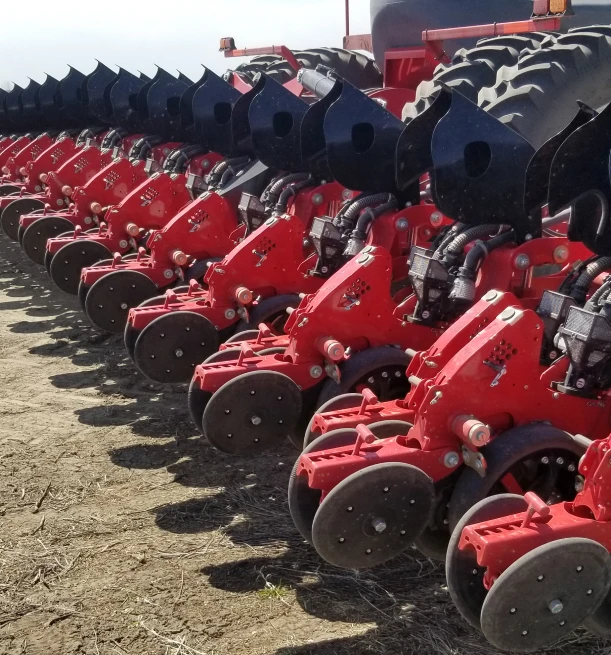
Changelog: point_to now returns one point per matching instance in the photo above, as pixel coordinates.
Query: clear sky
(43, 37)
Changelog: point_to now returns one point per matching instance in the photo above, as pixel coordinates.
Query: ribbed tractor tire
(474, 69)
(537, 97)
(357, 68)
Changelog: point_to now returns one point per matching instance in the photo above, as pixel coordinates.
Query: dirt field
(121, 532)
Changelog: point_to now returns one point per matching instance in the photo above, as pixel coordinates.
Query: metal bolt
(561, 254)
(178, 352)
(478, 464)
(507, 314)
(556, 606)
(346, 194)
(491, 295)
(571, 468)
(451, 460)
(580, 383)
(230, 314)
(168, 274)
(206, 163)
(324, 269)
(256, 420)
(123, 244)
(60, 202)
(306, 243)
(37, 188)
(426, 314)
(316, 371)
(123, 305)
(545, 460)
(559, 461)
(436, 218)
(402, 224)
(437, 398)
(379, 525)
(522, 261)
(88, 220)
(317, 199)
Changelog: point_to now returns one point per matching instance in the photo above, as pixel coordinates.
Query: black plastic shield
(142, 101)
(579, 177)
(240, 125)
(99, 86)
(163, 101)
(275, 117)
(187, 125)
(480, 169)
(124, 100)
(212, 107)
(414, 156)
(49, 97)
(12, 105)
(361, 139)
(312, 137)
(538, 172)
(30, 106)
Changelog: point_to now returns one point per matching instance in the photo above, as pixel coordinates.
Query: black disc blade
(197, 400)
(373, 515)
(465, 577)
(169, 348)
(11, 214)
(36, 235)
(110, 298)
(252, 412)
(303, 500)
(69, 260)
(8, 189)
(546, 594)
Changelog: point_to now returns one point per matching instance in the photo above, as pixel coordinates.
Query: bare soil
(123, 532)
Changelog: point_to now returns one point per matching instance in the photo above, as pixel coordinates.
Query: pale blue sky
(41, 37)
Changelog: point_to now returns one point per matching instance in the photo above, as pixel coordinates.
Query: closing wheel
(244, 335)
(170, 347)
(8, 189)
(49, 255)
(546, 594)
(130, 336)
(252, 412)
(373, 515)
(197, 401)
(465, 578)
(110, 298)
(536, 457)
(83, 289)
(345, 401)
(303, 500)
(223, 356)
(12, 212)
(380, 369)
(387, 429)
(36, 235)
(69, 260)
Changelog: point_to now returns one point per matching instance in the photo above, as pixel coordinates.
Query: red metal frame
(149, 206)
(256, 268)
(356, 295)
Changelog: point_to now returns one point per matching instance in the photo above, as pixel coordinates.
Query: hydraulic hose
(464, 285)
(357, 206)
(439, 245)
(586, 278)
(290, 192)
(356, 241)
(598, 297)
(457, 245)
